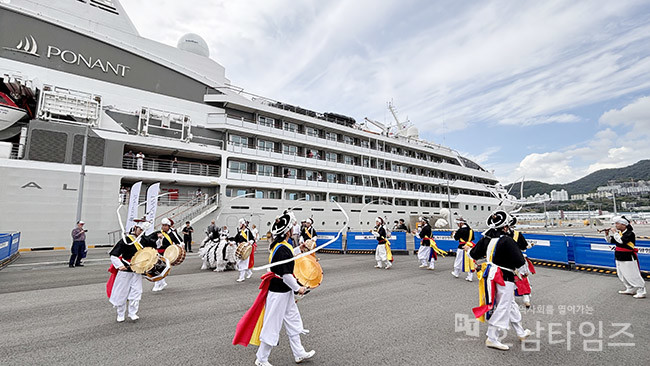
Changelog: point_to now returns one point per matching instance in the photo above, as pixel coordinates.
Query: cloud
(606, 149)
(635, 114)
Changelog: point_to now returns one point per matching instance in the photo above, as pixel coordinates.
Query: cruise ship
(76, 72)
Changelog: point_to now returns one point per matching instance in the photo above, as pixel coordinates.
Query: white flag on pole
(133, 205)
(152, 205)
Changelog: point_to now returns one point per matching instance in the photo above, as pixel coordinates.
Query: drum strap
(516, 236)
(275, 248)
(138, 246)
(244, 234)
(167, 237)
(308, 231)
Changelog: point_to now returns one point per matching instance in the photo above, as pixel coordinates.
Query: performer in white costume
(383, 254)
(627, 261)
(463, 263)
(125, 284)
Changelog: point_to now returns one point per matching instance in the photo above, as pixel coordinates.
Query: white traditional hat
(498, 219)
(166, 221)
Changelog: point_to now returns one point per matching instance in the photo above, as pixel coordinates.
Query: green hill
(589, 183)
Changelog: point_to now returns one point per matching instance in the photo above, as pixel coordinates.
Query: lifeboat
(10, 112)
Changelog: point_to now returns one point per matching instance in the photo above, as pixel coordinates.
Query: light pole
(589, 212)
(82, 175)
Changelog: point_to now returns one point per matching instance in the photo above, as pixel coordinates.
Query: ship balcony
(246, 127)
(330, 186)
(166, 166)
(275, 157)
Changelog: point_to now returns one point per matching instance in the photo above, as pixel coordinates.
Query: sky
(546, 90)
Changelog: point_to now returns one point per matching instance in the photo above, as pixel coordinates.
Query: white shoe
(639, 296)
(454, 274)
(249, 275)
(260, 363)
(378, 266)
(423, 266)
(204, 266)
(431, 268)
(240, 279)
(497, 345)
(627, 292)
(309, 355)
(162, 286)
(527, 334)
(468, 279)
(134, 317)
(156, 288)
(388, 265)
(120, 318)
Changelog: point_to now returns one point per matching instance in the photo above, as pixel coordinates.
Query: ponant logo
(27, 45)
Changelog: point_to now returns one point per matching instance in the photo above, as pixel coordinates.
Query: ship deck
(52, 314)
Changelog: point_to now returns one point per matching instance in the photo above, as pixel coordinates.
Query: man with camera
(78, 249)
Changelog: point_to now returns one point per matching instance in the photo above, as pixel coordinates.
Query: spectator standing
(295, 233)
(175, 166)
(187, 236)
(129, 160)
(78, 249)
(256, 233)
(123, 195)
(402, 226)
(140, 160)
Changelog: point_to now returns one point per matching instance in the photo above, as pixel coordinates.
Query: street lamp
(589, 211)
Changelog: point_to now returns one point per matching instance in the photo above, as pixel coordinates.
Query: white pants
(506, 312)
(242, 266)
(140, 164)
(127, 286)
(159, 284)
(424, 253)
(458, 264)
(280, 309)
(628, 272)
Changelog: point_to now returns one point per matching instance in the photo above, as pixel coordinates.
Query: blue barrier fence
(444, 240)
(597, 252)
(366, 241)
(5, 246)
(15, 243)
(584, 251)
(325, 237)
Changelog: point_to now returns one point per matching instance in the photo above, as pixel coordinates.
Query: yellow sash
(389, 254)
(276, 246)
(167, 237)
(138, 246)
(481, 275)
(308, 233)
(243, 233)
(515, 236)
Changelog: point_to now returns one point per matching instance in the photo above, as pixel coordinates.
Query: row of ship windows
(354, 141)
(341, 198)
(236, 166)
(329, 177)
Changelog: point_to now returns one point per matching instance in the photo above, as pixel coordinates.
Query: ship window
(259, 194)
(365, 143)
(330, 136)
(489, 208)
(265, 145)
(292, 196)
(474, 207)
(323, 223)
(239, 140)
(238, 167)
(467, 207)
(482, 208)
(331, 177)
(263, 169)
(274, 194)
(349, 179)
(348, 159)
(290, 172)
(312, 132)
(290, 126)
(348, 140)
(266, 121)
(330, 156)
(290, 149)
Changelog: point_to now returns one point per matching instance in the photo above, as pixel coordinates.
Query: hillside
(589, 183)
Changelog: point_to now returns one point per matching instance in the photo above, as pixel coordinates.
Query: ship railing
(168, 166)
(17, 151)
(320, 161)
(223, 118)
(301, 181)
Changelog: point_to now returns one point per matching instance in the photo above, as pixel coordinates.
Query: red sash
(246, 325)
(633, 251)
(251, 261)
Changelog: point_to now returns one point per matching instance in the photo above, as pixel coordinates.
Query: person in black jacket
(426, 253)
(627, 261)
(164, 238)
(382, 253)
(503, 258)
(465, 236)
(280, 305)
